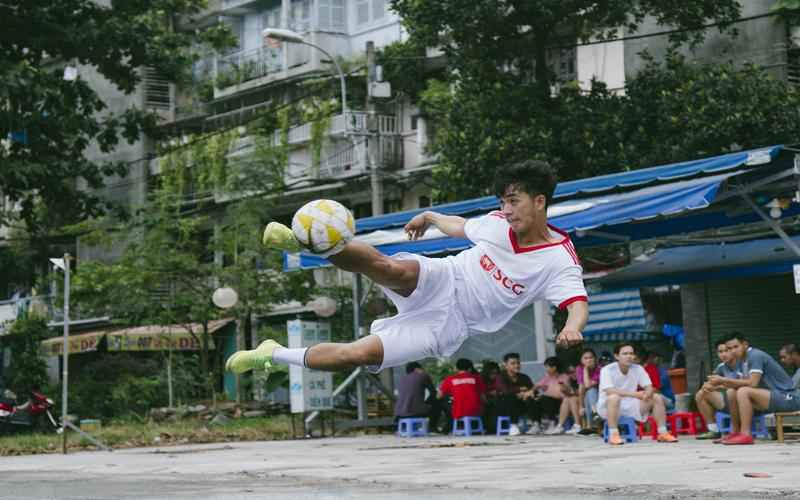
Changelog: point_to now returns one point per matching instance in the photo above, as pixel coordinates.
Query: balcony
(356, 123)
(240, 67)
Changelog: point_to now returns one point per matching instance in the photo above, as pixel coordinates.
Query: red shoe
(739, 439)
(725, 438)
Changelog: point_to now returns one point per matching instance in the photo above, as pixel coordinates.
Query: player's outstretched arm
(577, 316)
(451, 225)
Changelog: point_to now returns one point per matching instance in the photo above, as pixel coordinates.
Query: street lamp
(63, 264)
(283, 35)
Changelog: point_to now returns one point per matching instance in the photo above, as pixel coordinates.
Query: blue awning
(593, 185)
(698, 263)
(615, 311)
(580, 215)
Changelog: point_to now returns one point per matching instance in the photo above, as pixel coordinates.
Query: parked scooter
(33, 414)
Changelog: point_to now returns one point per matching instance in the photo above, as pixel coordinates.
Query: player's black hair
(738, 336)
(589, 350)
(534, 177)
(554, 362)
(410, 367)
(510, 355)
(464, 364)
(722, 341)
(618, 347)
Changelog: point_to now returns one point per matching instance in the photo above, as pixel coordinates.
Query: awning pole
(773, 225)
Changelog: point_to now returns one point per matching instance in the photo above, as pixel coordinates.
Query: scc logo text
(489, 266)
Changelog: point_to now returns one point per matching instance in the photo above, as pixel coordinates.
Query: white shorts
(428, 322)
(628, 407)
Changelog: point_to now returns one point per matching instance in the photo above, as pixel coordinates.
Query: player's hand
(417, 226)
(569, 338)
(641, 395)
(715, 380)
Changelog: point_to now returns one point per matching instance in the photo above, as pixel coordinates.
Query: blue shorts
(783, 401)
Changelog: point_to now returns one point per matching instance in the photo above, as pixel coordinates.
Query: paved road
(387, 467)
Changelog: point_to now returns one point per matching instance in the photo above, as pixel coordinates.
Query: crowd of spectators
(577, 399)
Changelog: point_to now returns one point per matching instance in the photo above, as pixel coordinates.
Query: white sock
(286, 356)
(662, 429)
(713, 427)
(613, 430)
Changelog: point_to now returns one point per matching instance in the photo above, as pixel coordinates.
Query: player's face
(736, 348)
(513, 366)
(626, 356)
(522, 211)
(786, 360)
(724, 353)
(588, 360)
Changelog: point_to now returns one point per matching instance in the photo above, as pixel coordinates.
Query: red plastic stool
(686, 423)
(652, 425)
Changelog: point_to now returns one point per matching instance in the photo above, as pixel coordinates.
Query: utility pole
(373, 136)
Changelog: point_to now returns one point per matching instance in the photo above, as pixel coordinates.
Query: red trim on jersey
(570, 248)
(577, 298)
(498, 213)
(520, 249)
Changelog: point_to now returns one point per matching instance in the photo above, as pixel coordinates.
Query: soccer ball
(323, 226)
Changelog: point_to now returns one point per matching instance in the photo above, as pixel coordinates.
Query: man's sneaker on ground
(586, 432)
(574, 430)
(513, 430)
(615, 439)
(259, 358)
(554, 430)
(739, 439)
(666, 437)
(535, 428)
(709, 435)
(280, 237)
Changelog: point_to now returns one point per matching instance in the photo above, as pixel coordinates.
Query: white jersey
(500, 277)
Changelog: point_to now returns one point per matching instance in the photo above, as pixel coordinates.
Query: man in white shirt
(517, 258)
(620, 396)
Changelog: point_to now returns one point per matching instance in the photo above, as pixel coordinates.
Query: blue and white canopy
(634, 205)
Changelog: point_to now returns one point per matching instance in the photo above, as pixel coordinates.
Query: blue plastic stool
(628, 429)
(503, 426)
(758, 428)
(467, 429)
(412, 427)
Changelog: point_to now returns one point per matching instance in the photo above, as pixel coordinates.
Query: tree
(168, 272)
(51, 121)
(28, 368)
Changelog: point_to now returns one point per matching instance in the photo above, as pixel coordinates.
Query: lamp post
(63, 264)
(290, 36)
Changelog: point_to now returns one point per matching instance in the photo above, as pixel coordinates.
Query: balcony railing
(247, 65)
(356, 122)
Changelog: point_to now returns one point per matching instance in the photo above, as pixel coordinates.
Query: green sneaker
(279, 237)
(258, 358)
(709, 435)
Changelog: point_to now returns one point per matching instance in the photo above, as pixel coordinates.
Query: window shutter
(157, 93)
(362, 11)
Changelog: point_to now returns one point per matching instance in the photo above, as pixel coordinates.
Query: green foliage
(28, 368)
(672, 111)
(119, 385)
(404, 66)
(62, 118)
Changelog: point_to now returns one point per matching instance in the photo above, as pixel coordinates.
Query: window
(414, 122)
(272, 18)
(424, 201)
(300, 15)
(332, 15)
(362, 11)
(369, 10)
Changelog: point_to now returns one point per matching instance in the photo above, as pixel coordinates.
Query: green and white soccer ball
(323, 226)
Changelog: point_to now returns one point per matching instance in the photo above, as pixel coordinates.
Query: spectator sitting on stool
(411, 395)
(466, 389)
(509, 386)
(557, 397)
(651, 366)
(765, 387)
(712, 397)
(588, 374)
(619, 397)
(790, 357)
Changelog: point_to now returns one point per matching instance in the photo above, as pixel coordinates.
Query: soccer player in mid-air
(517, 258)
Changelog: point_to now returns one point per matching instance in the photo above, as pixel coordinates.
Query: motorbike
(34, 414)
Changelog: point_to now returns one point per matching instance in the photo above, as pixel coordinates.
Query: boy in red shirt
(467, 390)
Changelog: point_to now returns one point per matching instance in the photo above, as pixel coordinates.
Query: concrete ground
(387, 467)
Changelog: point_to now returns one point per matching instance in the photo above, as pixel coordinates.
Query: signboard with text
(309, 390)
